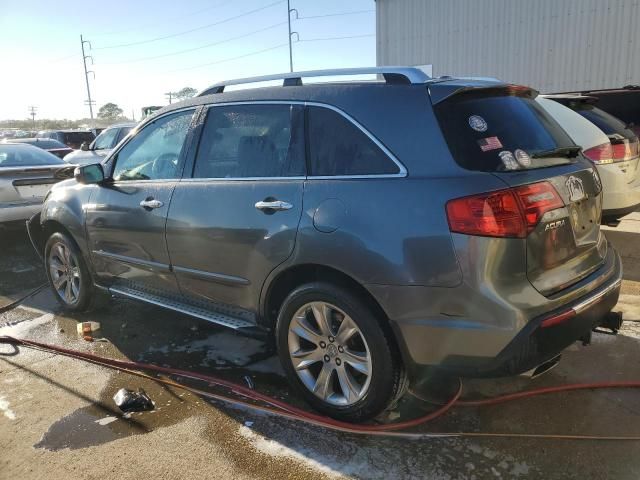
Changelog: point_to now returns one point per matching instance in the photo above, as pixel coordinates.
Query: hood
(81, 157)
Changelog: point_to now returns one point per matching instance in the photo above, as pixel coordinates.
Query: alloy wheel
(329, 353)
(65, 272)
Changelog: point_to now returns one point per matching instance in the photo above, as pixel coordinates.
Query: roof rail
(397, 75)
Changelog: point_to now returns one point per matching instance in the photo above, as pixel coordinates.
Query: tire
(355, 378)
(68, 275)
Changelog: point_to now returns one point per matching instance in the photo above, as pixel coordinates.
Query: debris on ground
(87, 329)
(130, 401)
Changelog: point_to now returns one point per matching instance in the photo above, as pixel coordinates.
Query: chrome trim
(585, 304)
(214, 317)
(411, 74)
(147, 264)
(214, 277)
(402, 169)
(239, 179)
(277, 205)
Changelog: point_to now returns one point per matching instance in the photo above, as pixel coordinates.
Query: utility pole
(169, 95)
(86, 75)
(32, 111)
(289, 12)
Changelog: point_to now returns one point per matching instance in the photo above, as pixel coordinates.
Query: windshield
(25, 156)
(501, 131)
(75, 139)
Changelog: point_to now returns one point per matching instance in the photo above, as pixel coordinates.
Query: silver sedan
(26, 175)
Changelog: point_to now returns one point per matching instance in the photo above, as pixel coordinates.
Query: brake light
(513, 212)
(558, 319)
(624, 150)
(600, 154)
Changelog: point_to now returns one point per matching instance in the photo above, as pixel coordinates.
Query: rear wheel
(334, 350)
(67, 272)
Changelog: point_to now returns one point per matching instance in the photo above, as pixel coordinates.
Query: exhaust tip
(542, 368)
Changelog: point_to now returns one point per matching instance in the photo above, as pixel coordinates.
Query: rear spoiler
(440, 92)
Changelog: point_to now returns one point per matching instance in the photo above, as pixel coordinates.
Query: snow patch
(4, 408)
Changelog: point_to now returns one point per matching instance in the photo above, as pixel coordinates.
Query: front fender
(64, 207)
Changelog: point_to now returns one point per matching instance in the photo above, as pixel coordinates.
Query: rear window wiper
(568, 152)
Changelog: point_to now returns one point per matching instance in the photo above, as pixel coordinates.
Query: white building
(551, 45)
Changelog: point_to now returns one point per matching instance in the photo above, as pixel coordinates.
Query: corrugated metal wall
(551, 45)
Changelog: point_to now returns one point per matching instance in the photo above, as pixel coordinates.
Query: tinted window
(609, 124)
(243, 141)
(499, 131)
(75, 139)
(106, 139)
(124, 131)
(154, 153)
(26, 155)
(338, 147)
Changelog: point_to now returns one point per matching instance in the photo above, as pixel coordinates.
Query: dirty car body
(470, 259)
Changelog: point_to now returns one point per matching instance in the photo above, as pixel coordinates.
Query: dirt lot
(57, 417)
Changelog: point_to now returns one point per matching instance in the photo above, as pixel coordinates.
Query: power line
(179, 52)
(230, 59)
(355, 12)
(337, 38)
(137, 28)
(191, 30)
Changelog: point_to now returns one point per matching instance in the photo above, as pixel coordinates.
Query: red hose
(290, 411)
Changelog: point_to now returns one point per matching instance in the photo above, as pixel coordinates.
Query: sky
(224, 39)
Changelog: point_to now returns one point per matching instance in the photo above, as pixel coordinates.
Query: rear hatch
(624, 142)
(557, 193)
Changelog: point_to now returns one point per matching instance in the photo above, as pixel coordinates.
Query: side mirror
(84, 147)
(87, 174)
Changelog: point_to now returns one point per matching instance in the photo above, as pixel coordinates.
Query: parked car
(623, 103)
(616, 160)
(101, 146)
(71, 138)
(50, 145)
(373, 230)
(26, 175)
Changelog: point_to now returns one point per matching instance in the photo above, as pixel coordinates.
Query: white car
(607, 142)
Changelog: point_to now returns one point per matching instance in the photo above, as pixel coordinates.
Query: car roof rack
(392, 75)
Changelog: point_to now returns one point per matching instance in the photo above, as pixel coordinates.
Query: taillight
(600, 154)
(513, 212)
(624, 150)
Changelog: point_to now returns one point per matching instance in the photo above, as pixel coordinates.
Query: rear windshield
(25, 156)
(610, 125)
(78, 137)
(500, 131)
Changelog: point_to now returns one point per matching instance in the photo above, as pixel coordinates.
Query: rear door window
(337, 147)
(610, 125)
(245, 141)
(501, 130)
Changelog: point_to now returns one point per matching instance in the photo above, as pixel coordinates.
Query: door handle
(275, 205)
(151, 203)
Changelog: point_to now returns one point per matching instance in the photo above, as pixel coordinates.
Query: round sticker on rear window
(523, 158)
(508, 160)
(477, 123)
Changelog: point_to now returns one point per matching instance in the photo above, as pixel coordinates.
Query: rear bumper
(620, 196)
(466, 350)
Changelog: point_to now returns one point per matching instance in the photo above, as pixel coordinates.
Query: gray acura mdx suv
(373, 229)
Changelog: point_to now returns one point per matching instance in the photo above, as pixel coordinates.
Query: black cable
(173, 35)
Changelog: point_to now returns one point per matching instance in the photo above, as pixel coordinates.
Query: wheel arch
(288, 279)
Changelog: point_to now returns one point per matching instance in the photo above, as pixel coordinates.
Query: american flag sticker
(489, 143)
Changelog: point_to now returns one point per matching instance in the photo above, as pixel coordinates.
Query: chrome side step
(198, 312)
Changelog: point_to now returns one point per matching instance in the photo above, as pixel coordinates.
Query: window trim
(135, 131)
(402, 173)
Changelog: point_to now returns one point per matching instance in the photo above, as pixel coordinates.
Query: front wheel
(335, 351)
(67, 272)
